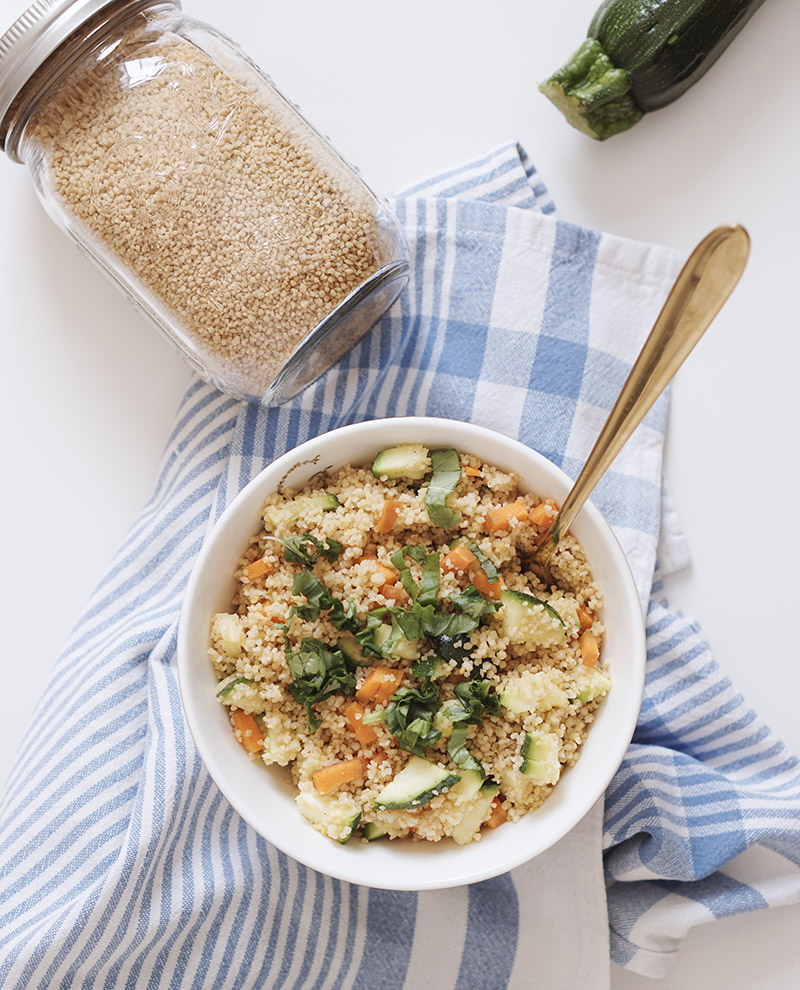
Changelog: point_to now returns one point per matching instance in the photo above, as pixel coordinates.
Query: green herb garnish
(307, 550)
(425, 668)
(473, 700)
(472, 603)
(409, 717)
(487, 566)
(320, 599)
(318, 672)
(446, 476)
(365, 637)
(458, 752)
(424, 593)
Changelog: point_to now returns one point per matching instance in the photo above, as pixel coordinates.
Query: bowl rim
(325, 862)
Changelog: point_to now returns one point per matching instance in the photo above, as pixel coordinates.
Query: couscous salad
(387, 645)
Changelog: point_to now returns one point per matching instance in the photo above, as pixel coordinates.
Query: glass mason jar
(178, 167)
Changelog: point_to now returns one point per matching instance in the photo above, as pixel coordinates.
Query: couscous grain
(184, 169)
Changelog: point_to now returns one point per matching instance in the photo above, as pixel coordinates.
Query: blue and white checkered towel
(123, 866)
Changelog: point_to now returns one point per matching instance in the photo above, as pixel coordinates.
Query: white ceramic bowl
(264, 796)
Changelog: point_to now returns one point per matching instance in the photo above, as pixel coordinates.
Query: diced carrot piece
(585, 617)
(497, 816)
(394, 591)
(388, 516)
(459, 558)
(481, 582)
(590, 649)
(257, 569)
(497, 519)
(392, 679)
(390, 575)
(251, 737)
(328, 778)
(379, 685)
(354, 713)
(542, 514)
(471, 472)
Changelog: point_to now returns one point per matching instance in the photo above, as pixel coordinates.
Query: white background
(90, 389)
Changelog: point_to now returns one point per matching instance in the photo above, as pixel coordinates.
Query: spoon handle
(704, 283)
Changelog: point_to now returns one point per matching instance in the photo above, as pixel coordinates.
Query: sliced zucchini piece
(349, 646)
(372, 831)
(469, 785)
(227, 634)
(567, 611)
(405, 649)
(320, 500)
(409, 461)
(337, 817)
(456, 648)
(591, 683)
(530, 692)
(476, 815)
(289, 512)
(540, 757)
(240, 692)
(529, 620)
(417, 783)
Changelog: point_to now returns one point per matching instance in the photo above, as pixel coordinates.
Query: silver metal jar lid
(34, 36)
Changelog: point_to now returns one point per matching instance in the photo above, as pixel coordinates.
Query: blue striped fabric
(123, 866)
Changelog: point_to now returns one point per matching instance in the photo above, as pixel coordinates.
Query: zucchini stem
(592, 93)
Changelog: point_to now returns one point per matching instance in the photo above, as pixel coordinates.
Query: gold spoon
(701, 288)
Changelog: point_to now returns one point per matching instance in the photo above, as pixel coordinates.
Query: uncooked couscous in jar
(182, 170)
(388, 646)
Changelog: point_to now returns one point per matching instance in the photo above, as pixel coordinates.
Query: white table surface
(90, 389)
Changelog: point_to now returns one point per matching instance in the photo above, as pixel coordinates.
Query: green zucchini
(415, 785)
(526, 619)
(539, 757)
(373, 831)
(641, 55)
(407, 461)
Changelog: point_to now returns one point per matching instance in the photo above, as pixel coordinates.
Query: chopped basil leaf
(450, 624)
(446, 475)
(321, 600)
(472, 603)
(425, 668)
(318, 672)
(458, 752)
(307, 550)
(473, 700)
(365, 637)
(409, 717)
(487, 566)
(424, 593)
(410, 621)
